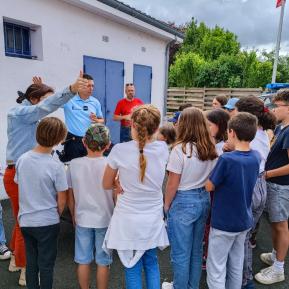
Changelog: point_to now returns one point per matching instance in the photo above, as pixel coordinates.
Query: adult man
(80, 112)
(123, 111)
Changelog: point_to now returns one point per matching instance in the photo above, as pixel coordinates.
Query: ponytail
(35, 91)
(21, 96)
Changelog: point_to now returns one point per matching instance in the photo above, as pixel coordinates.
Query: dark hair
(169, 132)
(87, 76)
(183, 106)
(244, 124)
(222, 99)
(255, 106)
(220, 118)
(282, 95)
(35, 91)
(50, 132)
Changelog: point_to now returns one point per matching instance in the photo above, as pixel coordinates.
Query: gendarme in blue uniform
(77, 114)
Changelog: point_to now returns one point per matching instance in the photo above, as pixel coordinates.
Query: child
(277, 176)
(186, 201)
(218, 122)
(261, 143)
(137, 227)
(232, 180)
(42, 197)
(167, 133)
(91, 206)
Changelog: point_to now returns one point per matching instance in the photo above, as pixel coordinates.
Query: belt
(10, 167)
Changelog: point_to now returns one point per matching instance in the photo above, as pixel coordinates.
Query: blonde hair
(193, 129)
(146, 120)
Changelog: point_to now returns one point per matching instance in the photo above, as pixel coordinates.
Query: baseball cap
(97, 137)
(175, 118)
(231, 103)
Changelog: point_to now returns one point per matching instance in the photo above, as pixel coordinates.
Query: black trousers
(73, 148)
(41, 251)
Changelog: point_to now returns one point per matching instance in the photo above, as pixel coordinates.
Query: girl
(218, 121)
(186, 201)
(37, 102)
(261, 143)
(219, 101)
(167, 133)
(137, 227)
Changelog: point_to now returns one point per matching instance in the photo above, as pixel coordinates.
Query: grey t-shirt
(39, 178)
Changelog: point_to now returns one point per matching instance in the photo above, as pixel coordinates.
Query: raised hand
(80, 83)
(37, 80)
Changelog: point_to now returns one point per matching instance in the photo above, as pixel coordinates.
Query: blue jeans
(125, 134)
(2, 232)
(186, 226)
(148, 262)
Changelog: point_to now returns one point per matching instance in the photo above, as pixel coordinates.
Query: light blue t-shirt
(77, 114)
(39, 178)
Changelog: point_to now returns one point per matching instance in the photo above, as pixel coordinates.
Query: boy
(42, 197)
(91, 206)
(233, 180)
(277, 176)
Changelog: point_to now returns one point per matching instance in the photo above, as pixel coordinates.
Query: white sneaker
(12, 265)
(167, 285)
(267, 258)
(22, 278)
(269, 276)
(5, 253)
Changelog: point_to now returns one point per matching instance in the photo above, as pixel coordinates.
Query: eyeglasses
(273, 105)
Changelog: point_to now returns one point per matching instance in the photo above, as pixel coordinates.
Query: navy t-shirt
(234, 178)
(278, 156)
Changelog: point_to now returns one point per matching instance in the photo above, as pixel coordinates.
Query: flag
(279, 3)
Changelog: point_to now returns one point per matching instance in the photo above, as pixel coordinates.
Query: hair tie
(266, 109)
(141, 151)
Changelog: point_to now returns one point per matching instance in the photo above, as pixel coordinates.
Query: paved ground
(65, 277)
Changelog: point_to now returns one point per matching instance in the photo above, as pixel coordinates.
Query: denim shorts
(88, 246)
(277, 204)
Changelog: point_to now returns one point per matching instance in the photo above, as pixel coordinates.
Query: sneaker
(12, 265)
(269, 276)
(167, 285)
(253, 243)
(5, 253)
(204, 264)
(267, 258)
(22, 279)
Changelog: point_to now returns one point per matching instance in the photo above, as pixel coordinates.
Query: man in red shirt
(123, 111)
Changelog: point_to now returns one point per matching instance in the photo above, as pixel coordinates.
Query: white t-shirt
(194, 172)
(93, 205)
(219, 147)
(137, 223)
(261, 144)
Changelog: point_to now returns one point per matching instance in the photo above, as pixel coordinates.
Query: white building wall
(68, 33)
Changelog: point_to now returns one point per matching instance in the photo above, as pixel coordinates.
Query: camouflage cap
(97, 137)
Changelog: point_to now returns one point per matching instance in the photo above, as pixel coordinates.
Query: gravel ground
(65, 277)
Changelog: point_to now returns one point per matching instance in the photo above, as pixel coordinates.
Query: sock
(278, 266)
(274, 255)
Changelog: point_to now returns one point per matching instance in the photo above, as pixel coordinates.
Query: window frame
(14, 52)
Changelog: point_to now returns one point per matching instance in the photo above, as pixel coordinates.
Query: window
(17, 40)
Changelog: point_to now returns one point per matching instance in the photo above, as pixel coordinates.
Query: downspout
(167, 58)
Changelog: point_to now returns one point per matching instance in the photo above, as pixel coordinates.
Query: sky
(255, 22)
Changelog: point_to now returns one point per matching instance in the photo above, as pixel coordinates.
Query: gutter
(141, 16)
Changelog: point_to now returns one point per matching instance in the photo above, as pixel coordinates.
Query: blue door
(142, 79)
(108, 78)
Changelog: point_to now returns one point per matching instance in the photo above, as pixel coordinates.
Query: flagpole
(278, 42)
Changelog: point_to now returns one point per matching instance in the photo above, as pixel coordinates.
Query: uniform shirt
(278, 156)
(39, 178)
(234, 178)
(77, 114)
(93, 204)
(22, 121)
(125, 106)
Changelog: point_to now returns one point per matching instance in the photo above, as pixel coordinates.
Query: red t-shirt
(125, 106)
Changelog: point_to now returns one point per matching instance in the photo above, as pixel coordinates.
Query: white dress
(137, 223)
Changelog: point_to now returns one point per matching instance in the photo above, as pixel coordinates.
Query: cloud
(255, 22)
